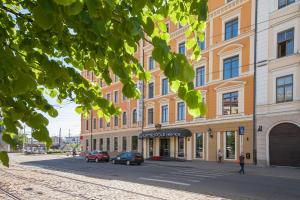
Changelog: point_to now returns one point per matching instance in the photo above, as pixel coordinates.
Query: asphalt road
(225, 182)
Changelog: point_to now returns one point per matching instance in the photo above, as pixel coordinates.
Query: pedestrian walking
(220, 156)
(242, 163)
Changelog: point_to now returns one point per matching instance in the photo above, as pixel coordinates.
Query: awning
(177, 132)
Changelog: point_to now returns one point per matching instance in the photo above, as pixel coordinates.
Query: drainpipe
(254, 87)
(92, 119)
(143, 85)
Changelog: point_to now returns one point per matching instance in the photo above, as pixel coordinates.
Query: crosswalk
(187, 176)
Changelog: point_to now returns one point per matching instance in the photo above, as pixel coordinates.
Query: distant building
(72, 140)
(56, 140)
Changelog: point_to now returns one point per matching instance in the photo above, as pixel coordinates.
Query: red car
(97, 156)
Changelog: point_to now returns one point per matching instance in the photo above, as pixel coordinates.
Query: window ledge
(230, 116)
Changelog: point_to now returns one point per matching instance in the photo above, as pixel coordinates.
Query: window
(101, 144)
(231, 67)
(124, 118)
(150, 63)
(95, 122)
(124, 143)
(151, 90)
(134, 116)
(101, 123)
(150, 116)
(115, 143)
(86, 144)
(116, 120)
(230, 103)
(124, 98)
(107, 124)
(168, 27)
(116, 78)
(284, 89)
(284, 3)
(164, 114)
(134, 143)
(181, 48)
(101, 83)
(151, 147)
(230, 144)
(231, 29)
(200, 76)
(199, 145)
(116, 96)
(201, 44)
(108, 144)
(87, 125)
(108, 96)
(165, 86)
(285, 43)
(180, 111)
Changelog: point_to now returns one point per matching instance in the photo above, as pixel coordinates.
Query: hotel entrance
(164, 147)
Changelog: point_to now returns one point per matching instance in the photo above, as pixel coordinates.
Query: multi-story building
(278, 82)
(224, 75)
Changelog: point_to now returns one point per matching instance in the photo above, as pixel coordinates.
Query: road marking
(165, 181)
(193, 175)
(199, 173)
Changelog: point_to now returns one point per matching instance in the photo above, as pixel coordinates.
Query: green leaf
(8, 139)
(4, 158)
(79, 109)
(43, 19)
(149, 26)
(175, 85)
(64, 2)
(75, 8)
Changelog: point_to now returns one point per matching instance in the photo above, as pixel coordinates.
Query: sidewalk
(283, 172)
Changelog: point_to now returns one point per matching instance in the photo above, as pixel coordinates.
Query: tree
(46, 43)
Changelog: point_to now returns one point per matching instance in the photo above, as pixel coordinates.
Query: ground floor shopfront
(196, 141)
(200, 142)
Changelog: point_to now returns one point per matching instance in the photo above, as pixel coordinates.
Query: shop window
(284, 3)
(134, 143)
(150, 116)
(230, 145)
(124, 118)
(116, 96)
(134, 116)
(115, 143)
(94, 144)
(108, 144)
(284, 89)
(150, 63)
(231, 67)
(150, 147)
(101, 123)
(231, 29)
(199, 145)
(230, 103)
(164, 114)
(181, 48)
(180, 146)
(116, 120)
(200, 76)
(101, 144)
(165, 86)
(150, 90)
(285, 43)
(124, 143)
(180, 111)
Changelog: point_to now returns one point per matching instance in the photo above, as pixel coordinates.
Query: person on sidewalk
(220, 156)
(242, 163)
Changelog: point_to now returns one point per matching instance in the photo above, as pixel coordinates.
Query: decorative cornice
(225, 8)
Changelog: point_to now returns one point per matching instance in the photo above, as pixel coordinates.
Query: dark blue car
(128, 158)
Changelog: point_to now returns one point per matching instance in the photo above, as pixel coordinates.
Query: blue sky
(67, 119)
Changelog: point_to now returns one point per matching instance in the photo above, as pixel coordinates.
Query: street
(73, 178)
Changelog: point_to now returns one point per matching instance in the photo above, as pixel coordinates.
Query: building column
(207, 146)
(156, 146)
(189, 148)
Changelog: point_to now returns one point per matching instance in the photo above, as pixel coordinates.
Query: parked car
(128, 158)
(97, 156)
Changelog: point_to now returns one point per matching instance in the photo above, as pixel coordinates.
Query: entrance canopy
(177, 132)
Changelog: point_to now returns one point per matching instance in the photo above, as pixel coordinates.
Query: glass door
(164, 149)
(199, 146)
(150, 147)
(181, 147)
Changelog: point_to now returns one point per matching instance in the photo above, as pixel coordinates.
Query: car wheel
(97, 160)
(127, 162)
(107, 160)
(87, 160)
(113, 162)
(139, 163)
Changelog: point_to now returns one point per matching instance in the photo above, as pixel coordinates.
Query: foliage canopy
(46, 43)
